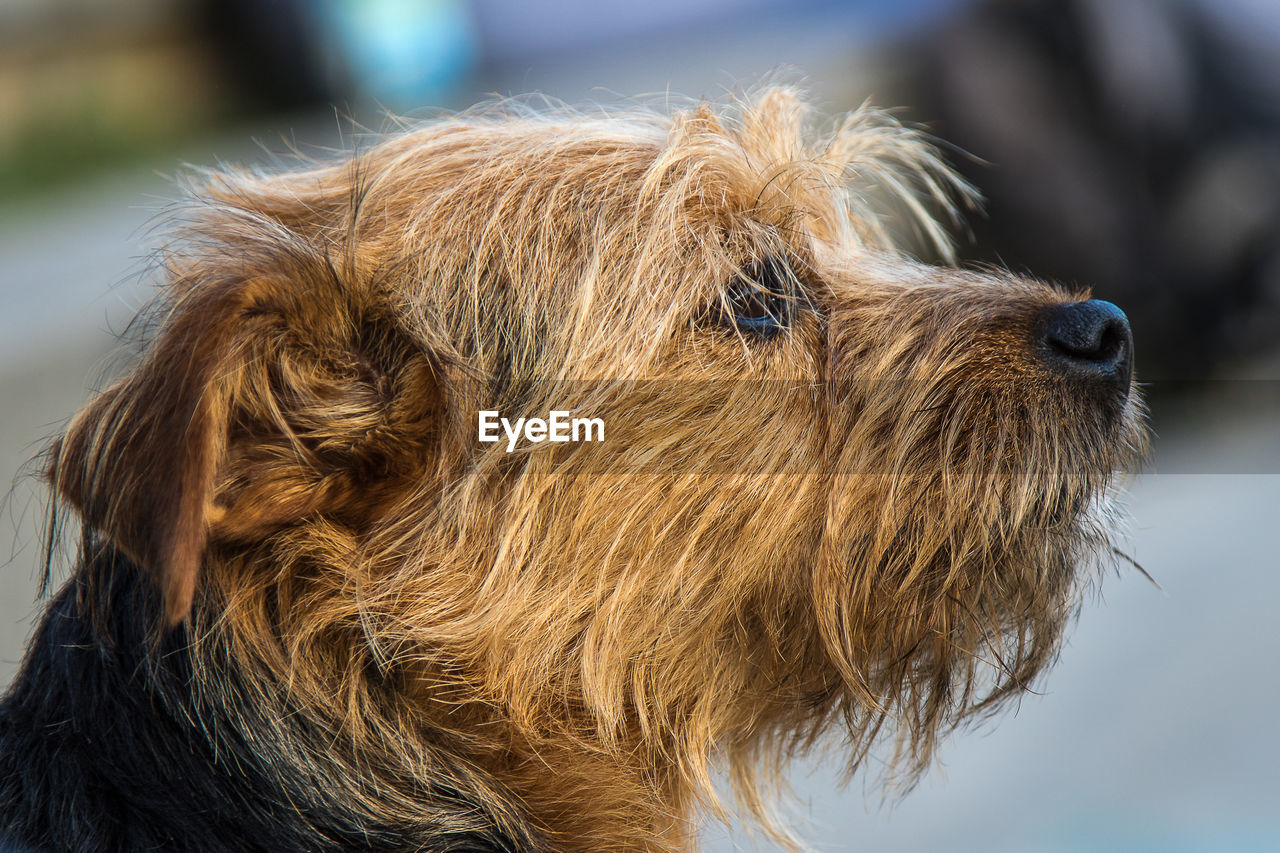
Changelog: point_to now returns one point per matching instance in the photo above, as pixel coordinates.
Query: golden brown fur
(878, 521)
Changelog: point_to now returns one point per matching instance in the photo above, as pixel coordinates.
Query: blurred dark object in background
(1133, 147)
(270, 52)
(399, 54)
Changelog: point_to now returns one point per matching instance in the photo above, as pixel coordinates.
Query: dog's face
(832, 481)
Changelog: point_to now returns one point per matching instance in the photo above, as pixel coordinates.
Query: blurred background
(1133, 147)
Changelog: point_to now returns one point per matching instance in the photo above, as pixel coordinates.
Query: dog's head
(833, 481)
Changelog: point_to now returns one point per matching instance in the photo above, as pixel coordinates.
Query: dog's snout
(1090, 340)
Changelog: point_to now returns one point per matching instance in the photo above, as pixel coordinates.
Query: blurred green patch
(87, 107)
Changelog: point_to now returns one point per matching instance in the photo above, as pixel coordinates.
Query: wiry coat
(365, 628)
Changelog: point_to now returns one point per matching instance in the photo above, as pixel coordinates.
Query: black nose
(1090, 340)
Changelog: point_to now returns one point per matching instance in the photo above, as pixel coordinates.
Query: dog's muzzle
(1089, 341)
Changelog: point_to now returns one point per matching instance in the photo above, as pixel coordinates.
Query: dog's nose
(1090, 340)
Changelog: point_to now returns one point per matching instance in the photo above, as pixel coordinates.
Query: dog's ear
(275, 391)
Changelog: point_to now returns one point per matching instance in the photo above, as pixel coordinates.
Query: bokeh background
(1131, 146)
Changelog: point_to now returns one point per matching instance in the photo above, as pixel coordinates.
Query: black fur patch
(107, 744)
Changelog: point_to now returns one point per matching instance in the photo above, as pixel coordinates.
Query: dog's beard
(963, 552)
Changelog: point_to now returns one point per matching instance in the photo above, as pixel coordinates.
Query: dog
(346, 580)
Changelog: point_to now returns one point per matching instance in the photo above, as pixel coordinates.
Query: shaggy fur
(365, 628)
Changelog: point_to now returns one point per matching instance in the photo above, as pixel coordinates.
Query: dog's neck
(110, 739)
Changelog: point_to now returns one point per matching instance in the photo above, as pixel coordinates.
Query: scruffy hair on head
(840, 489)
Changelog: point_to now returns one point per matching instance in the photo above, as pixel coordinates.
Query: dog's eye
(759, 300)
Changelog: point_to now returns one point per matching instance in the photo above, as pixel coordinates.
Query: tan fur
(878, 522)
